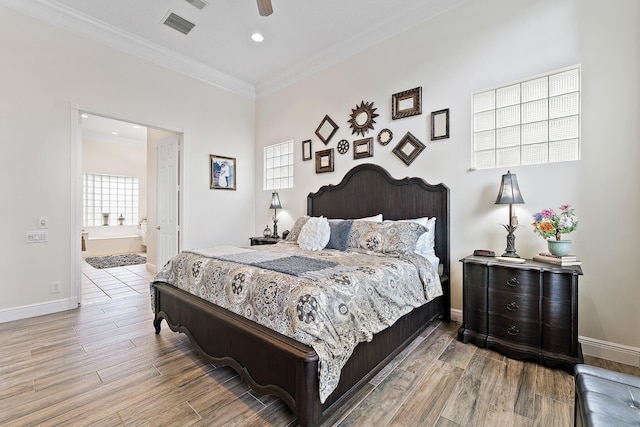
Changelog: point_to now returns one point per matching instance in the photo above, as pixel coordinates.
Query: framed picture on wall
(222, 172)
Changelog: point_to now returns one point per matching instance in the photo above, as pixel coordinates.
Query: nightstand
(524, 311)
(264, 240)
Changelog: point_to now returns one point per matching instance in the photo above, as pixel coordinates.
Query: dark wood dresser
(264, 240)
(524, 311)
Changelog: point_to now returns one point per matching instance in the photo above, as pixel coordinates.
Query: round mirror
(362, 118)
(385, 136)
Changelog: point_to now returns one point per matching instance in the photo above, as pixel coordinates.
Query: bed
(273, 363)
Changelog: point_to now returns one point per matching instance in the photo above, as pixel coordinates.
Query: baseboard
(593, 347)
(152, 268)
(33, 310)
(456, 315)
(610, 351)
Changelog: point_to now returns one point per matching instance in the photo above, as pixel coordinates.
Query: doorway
(118, 149)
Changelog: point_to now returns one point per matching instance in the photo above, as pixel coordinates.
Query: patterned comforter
(331, 312)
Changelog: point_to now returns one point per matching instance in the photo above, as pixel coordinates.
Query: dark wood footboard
(275, 364)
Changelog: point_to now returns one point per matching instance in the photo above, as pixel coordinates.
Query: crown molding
(53, 13)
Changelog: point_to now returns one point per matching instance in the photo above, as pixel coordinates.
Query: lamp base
(510, 251)
(275, 230)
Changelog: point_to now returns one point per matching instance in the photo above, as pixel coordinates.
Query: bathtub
(112, 240)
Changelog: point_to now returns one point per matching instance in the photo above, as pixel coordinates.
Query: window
(530, 122)
(109, 194)
(278, 166)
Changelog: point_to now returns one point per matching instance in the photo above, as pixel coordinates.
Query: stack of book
(561, 260)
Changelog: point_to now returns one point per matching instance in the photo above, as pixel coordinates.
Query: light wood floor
(103, 365)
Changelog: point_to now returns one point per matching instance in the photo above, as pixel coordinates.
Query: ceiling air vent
(178, 23)
(200, 4)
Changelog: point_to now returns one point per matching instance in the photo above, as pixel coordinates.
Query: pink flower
(565, 207)
(547, 213)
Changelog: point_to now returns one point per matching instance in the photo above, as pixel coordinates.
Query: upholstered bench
(606, 398)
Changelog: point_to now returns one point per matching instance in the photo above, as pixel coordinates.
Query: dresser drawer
(515, 330)
(514, 304)
(505, 279)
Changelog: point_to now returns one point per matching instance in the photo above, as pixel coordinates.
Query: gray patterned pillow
(295, 230)
(394, 238)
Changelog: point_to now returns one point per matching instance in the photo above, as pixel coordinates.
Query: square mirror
(326, 129)
(408, 148)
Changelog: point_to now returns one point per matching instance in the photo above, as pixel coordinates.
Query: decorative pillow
(295, 231)
(340, 230)
(395, 238)
(426, 243)
(315, 234)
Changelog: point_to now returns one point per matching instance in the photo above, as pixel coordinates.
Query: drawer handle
(513, 282)
(512, 306)
(513, 330)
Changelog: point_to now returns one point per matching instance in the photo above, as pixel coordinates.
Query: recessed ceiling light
(114, 133)
(84, 116)
(136, 126)
(257, 37)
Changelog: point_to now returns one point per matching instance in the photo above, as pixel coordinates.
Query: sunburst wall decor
(362, 118)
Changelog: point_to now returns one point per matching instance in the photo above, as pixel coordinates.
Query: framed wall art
(440, 124)
(408, 148)
(385, 136)
(324, 161)
(406, 103)
(363, 148)
(306, 150)
(326, 129)
(362, 118)
(222, 172)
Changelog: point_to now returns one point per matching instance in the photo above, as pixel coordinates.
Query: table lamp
(509, 194)
(275, 205)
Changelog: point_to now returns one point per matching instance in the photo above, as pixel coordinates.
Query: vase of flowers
(552, 225)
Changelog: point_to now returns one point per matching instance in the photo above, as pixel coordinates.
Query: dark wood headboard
(368, 189)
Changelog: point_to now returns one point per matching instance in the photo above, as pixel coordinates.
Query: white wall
(479, 45)
(45, 71)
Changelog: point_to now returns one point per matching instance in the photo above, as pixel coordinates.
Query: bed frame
(275, 364)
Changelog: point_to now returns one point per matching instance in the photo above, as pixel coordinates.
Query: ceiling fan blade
(264, 7)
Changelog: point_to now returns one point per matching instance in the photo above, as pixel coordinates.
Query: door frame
(76, 190)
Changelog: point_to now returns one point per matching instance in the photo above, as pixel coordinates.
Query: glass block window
(278, 166)
(530, 122)
(109, 194)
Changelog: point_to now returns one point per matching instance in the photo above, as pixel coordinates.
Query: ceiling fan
(264, 7)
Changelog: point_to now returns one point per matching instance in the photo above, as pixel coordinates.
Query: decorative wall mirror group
(404, 104)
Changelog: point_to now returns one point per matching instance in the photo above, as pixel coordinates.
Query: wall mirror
(406, 103)
(324, 161)
(362, 148)
(326, 129)
(362, 118)
(306, 150)
(408, 148)
(385, 136)
(440, 124)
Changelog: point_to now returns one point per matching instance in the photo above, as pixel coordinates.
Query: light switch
(43, 222)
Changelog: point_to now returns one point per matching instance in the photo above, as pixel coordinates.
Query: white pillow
(315, 234)
(375, 218)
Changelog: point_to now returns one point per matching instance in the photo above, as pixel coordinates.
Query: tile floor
(111, 283)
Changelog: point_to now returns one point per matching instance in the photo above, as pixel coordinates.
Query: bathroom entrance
(119, 206)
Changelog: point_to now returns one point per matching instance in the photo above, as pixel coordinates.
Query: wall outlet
(37, 236)
(43, 222)
(55, 287)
